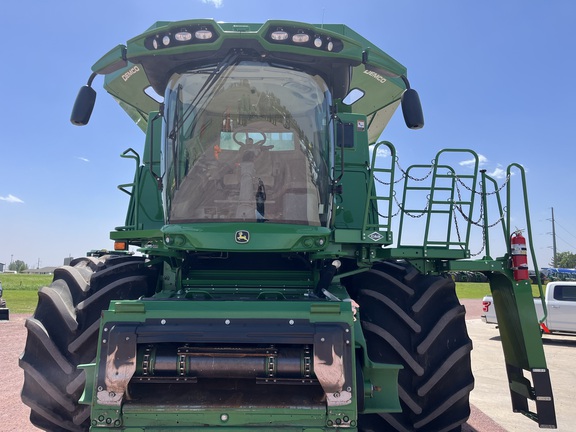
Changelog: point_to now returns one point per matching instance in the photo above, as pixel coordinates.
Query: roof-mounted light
(184, 35)
(203, 34)
(300, 38)
(304, 37)
(279, 35)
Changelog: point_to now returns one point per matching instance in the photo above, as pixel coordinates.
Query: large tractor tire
(417, 321)
(63, 333)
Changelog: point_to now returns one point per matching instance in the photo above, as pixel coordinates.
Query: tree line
(18, 266)
(564, 260)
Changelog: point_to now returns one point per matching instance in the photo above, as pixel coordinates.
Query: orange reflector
(120, 245)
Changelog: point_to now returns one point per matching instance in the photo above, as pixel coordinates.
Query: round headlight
(318, 42)
(166, 40)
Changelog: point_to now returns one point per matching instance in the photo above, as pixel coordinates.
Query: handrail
(528, 231)
(130, 153)
(372, 195)
(485, 177)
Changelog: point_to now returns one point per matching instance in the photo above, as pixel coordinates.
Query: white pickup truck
(561, 305)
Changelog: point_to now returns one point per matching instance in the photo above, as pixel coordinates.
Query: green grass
(20, 291)
(472, 290)
(477, 290)
(21, 302)
(24, 282)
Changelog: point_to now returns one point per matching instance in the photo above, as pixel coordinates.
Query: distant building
(43, 270)
(2, 267)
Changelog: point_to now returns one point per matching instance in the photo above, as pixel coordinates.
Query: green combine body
(270, 294)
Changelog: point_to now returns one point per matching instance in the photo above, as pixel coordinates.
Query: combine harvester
(271, 294)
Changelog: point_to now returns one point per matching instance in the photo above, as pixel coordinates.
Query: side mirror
(83, 106)
(412, 109)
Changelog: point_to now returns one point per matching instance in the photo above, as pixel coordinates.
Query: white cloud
(471, 162)
(498, 173)
(382, 151)
(83, 159)
(11, 199)
(216, 3)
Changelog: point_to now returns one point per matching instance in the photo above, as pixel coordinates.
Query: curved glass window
(247, 143)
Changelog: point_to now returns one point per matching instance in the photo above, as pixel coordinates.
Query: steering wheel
(247, 138)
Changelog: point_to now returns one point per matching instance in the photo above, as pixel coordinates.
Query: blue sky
(493, 76)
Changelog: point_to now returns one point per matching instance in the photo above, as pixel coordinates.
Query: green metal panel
(246, 237)
(352, 157)
(517, 322)
(164, 321)
(523, 350)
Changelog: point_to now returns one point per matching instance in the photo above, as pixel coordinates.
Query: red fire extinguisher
(519, 257)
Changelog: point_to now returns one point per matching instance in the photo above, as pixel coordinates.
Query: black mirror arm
(92, 76)
(406, 82)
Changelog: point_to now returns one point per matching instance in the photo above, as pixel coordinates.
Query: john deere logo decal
(242, 236)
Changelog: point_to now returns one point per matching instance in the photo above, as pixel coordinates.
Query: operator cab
(250, 143)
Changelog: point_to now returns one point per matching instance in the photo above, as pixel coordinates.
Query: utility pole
(554, 263)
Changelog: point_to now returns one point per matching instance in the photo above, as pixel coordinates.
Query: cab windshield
(249, 143)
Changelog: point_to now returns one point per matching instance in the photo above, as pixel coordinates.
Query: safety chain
(460, 200)
(457, 206)
(415, 216)
(500, 219)
(391, 216)
(481, 216)
(385, 183)
(405, 174)
(480, 193)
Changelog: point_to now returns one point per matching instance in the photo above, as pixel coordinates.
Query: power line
(560, 225)
(560, 238)
(554, 237)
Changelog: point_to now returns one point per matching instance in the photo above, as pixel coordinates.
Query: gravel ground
(478, 421)
(14, 414)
